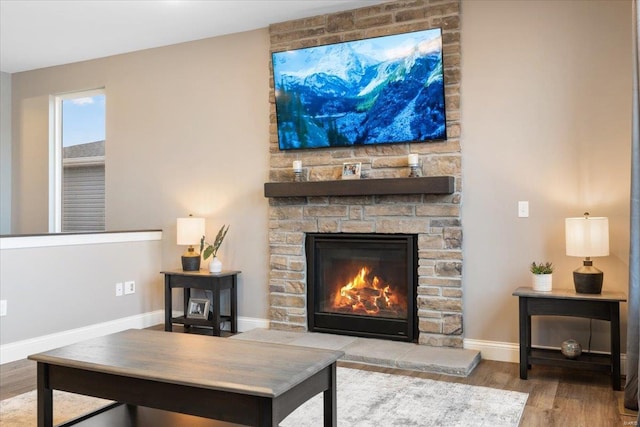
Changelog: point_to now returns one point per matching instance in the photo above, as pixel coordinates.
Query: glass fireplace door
(362, 285)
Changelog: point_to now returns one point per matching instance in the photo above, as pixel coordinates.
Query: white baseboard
(248, 323)
(21, 349)
(510, 352)
(495, 350)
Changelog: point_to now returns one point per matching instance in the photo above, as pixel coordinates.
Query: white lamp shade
(190, 230)
(587, 237)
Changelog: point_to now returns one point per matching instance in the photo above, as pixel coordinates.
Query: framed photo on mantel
(351, 170)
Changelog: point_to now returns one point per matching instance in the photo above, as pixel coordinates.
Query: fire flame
(366, 295)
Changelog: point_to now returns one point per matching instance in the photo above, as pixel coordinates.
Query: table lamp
(189, 232)
(587, 237)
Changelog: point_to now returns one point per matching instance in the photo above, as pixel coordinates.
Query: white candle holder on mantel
(414, 165)
(297, 170)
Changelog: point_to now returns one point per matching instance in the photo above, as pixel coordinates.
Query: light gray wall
(546, 117)
(5, 153)
(54, 289)
(187, 131)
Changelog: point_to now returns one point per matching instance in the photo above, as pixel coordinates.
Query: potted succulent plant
(542, 276)
(215, 266)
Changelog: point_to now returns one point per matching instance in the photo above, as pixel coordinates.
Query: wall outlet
(129, 287)
(119, 289)
(523, 209)
(3, 307)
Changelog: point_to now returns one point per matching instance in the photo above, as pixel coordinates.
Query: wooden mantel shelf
(362, 187)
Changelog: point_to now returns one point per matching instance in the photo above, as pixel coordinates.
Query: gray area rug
(374, 399)
(21, 410)
(364, 399)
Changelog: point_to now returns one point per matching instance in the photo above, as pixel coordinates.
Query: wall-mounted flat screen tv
(382, 90)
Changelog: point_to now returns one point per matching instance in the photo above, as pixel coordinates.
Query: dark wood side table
(565, 302)
(214, 282)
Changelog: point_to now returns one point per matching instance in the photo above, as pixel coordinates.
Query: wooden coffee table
(162, 375)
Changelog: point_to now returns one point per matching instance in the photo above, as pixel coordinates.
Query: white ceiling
(42, 33)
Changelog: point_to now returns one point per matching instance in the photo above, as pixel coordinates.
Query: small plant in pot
(542, 276)
(211, 250)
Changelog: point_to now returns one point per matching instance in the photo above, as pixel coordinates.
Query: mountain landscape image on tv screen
(382, 90)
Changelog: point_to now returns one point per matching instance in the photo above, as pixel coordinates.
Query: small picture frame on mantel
(198, 308)
(351, 170)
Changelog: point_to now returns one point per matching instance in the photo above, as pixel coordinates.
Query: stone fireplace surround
(434, 218)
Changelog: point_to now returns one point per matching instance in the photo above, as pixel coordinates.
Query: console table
(214, 282)
(565, 302)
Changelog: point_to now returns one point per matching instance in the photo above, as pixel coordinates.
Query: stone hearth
(391, 354)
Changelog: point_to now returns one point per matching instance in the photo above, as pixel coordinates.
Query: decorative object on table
(198, 308)
(542, 276)
(297, 170)
(587, 237)
(414, 164)
(189, 231)
(351, 170)
(215, 266)
(571, 349)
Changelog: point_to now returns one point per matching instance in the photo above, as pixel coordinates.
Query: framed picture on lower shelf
(198, 308)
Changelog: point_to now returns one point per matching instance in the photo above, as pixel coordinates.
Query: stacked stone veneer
(435, 219)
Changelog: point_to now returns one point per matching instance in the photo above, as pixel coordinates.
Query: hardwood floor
(557, 397)
(17, 378)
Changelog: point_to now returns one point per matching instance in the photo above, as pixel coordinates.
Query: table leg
(528, 349)
(186, 295)
(525, 336)
(234, 304)
(330, 406)
(266, 414)
(168, 324)
(615, 346)
(216, 311)
(45, 397)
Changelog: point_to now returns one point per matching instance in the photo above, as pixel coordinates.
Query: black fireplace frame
(358, 325)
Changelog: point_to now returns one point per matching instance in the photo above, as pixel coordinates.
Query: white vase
(542, 282)
(215, 266)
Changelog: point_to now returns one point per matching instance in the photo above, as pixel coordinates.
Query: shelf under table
(586, 361)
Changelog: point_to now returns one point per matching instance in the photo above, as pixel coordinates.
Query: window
(77, 190)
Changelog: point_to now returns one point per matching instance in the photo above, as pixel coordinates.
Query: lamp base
(191, 263)
(588, 279)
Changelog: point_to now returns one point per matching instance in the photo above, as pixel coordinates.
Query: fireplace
(362, 285)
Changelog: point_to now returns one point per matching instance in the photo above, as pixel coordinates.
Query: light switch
(523, 209)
